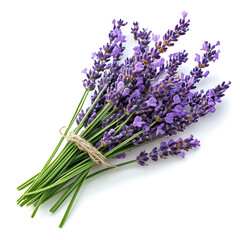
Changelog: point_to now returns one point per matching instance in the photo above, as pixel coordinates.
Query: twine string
(85, 146)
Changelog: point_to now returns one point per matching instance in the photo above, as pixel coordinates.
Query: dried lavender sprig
(168, 148)
(111, 51)
(172, 35)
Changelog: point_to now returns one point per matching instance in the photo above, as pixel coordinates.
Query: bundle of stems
(70, 164)
(133, 103)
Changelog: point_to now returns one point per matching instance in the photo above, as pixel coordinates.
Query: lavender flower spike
(170, 148)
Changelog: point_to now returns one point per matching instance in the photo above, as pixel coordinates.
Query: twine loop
(85, 146)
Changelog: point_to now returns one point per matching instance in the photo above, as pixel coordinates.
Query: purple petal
(169, 118)
(197, 58)
(181, 154)
(126, 92)
(155, 38)
(206, 74)
(176, 99)
(84, 70)
(184, 14)
(138, 122)
(152, 102)
(120, 86)
(138, 67)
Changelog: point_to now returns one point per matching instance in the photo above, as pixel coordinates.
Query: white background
(44, 45)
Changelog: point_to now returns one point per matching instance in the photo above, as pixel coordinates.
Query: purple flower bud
(138, 67)
(122, 155)
(155, 38)
(120, 86)
(181, 154)
(111, 131)
(84, 70)
(120, 38)
(191, 82)
(138, 122)
(115, 52)
(154, 154)
(184, 14)
(216, 56)
(135, 95)
(89, 85)
(126, 92)
(197, 58)
(160, 130)
(152, 102)
(178, 109)
(176, 99)
(136, 50)
(158, 62)
(93, 55)
(205, 46)
(169, 118)
(116, 32)
(142, 158)
(206, 74)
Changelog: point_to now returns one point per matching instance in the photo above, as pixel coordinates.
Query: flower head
(176, 99)
(126, 92)
(142, 159)
(136, 50)
(170, 148)
(155, 38)
(158, 62)
(184, 14)
(120, 86)
(152, 102)
(138, 122)
(138, 67)
(84, 70)
(169, 118)
(197, 58)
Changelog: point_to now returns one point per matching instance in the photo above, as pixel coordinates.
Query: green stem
(109, 168)
(79, 107)
(36, 180)
(65, 178)
(27, 183)
(88, 177)
(67, 193)
(73, 198)
(90, 109)
(113, 151)
(38, 205)
(45, 178)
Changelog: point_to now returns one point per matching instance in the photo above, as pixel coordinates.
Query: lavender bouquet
(133, 102)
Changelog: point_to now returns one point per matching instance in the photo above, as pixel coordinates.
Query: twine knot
(85, 146)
